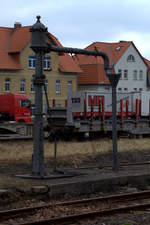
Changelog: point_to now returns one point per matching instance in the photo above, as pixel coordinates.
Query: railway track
(77, 210)
(11, 137)
(122, 164)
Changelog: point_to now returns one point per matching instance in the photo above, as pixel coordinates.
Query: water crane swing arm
(95, 52)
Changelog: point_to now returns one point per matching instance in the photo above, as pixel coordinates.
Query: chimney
(17, 25)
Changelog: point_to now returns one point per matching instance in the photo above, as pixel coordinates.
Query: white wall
(138, 65)
(130, 84)
(96, 87)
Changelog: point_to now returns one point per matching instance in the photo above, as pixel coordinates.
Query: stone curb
(82, 187)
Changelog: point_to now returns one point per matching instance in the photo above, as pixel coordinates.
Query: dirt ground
(16, 156)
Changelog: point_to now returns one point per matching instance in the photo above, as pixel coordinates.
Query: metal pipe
(82, 52)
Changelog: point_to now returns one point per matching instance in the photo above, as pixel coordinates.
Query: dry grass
(74, 153)
(15, 157)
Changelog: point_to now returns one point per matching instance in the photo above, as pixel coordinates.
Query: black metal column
(39, 46)
(38, 147)
(114, 78)
(114, 130)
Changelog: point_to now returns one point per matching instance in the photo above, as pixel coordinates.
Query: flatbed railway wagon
(91, 112)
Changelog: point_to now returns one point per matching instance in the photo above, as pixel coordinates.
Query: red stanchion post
(121, 109)
(127, 108)
(54, 103)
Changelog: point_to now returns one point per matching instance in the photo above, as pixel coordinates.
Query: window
(141, 75)
(69, 85)
(119, 89)
(107, 88)
(125, 89)
(22, 85)
(140, 89)
(25, 103)
(135, 89)
(46, 62)
(31, 61)
(58, 86)
(135, 75)
(46, 65)
(120, 72)
(46, 86)
(32, 86)
(130, 58)
(7, 84)
(126, 74)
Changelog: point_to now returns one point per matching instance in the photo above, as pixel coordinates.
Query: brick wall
(26, 73)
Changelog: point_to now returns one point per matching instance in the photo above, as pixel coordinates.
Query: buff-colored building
(17, 66)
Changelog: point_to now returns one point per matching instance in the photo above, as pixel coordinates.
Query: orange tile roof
(93, 74)
(113, 50)
(7, 61)
(13, 40)
(66, 62)
(95, 65)
(147, 62)
(54, 39)
(18, 39)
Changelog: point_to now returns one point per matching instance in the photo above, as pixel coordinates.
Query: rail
(82, 209)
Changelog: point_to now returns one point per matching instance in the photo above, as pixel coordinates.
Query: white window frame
(46, 63)
(58, 87)
(130, 58)
(32, 87)
(141, 75)
(120, 72)
(125, 74)
(7, 84)
(134, 74)
(107, 88)
(69, 85)
(22, 85)
(46, 85)
(31, 61)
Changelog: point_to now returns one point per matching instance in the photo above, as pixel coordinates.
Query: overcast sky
(78, 23)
